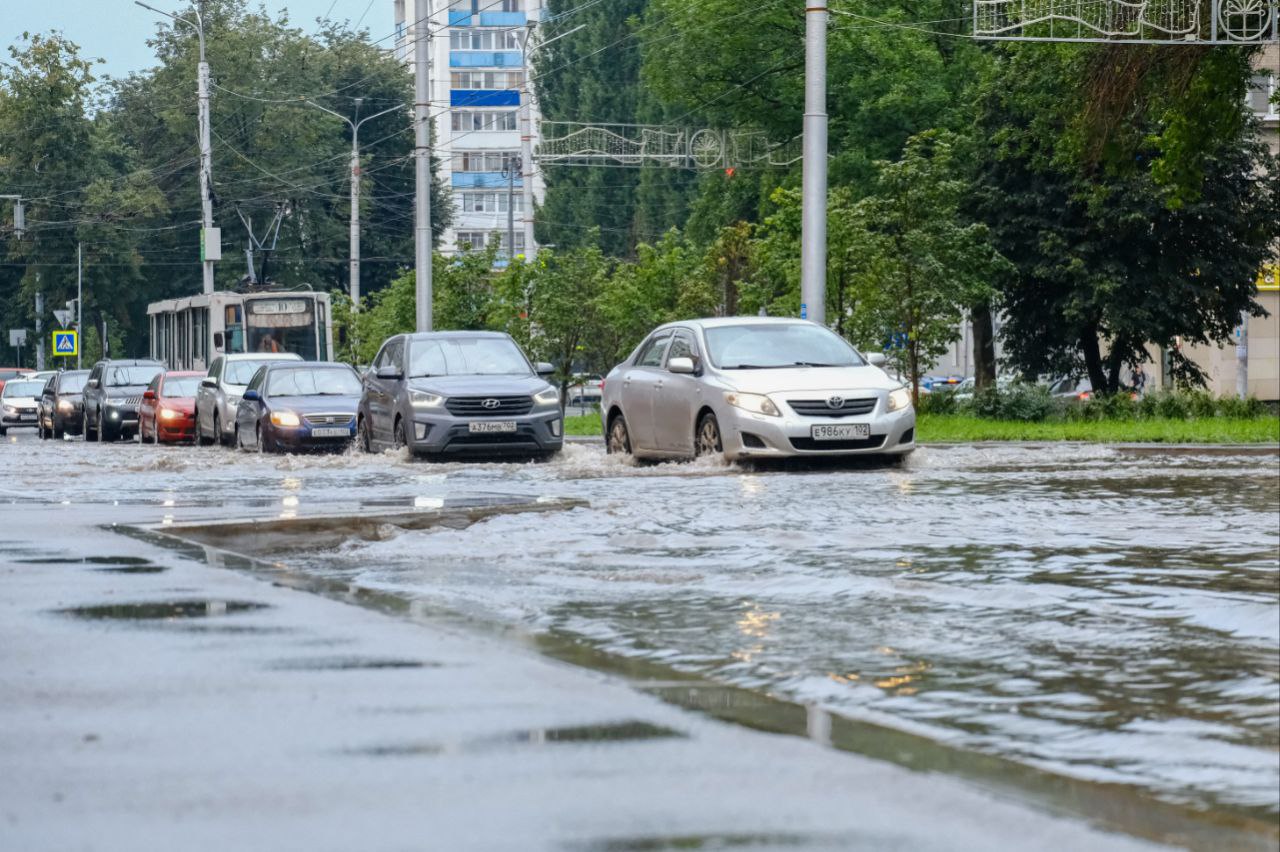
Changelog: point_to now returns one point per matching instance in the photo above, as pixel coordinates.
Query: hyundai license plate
(840, 431)
(332, 432)
(486, 426)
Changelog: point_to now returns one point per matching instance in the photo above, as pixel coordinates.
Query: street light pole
(510, 169)
(422, 158)
(813, 226)
(354, 283)
(206, 148)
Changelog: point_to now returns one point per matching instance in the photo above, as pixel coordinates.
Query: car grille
(819, 407)
(339, 419)
(852, 444)
(474, 406)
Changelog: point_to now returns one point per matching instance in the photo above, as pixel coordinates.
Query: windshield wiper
(815, 364)
(751, 367)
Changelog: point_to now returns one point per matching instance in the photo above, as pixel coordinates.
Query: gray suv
(459, 392)
(111, 397)
(220, 391)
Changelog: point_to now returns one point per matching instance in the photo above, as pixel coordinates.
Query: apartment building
(477, 70)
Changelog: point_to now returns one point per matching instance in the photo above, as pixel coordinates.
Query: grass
(964, 429)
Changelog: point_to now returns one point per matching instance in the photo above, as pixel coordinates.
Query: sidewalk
(307, 723)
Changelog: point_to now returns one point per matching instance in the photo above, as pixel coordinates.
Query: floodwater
(1085, 611)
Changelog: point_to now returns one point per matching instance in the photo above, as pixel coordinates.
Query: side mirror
(218, 340)
(681, 365)
(208, 382)
(876, 359)
(390, 372)
(149, 394)
(251, 396)
(542, 368)
(92, 383)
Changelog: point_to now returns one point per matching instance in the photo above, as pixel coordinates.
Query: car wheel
(201, 440)
(363, 437)
(217, 430)
(619, 442)
(259, 442)
(708, 442)
(155, 433)
(57, 431)
(84, 427)
(3, 431)
(101, 431)
(402, 439)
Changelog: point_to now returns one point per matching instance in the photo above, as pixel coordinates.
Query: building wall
(474, 103)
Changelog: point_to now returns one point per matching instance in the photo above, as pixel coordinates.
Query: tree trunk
(984, 346)
(1093, 357)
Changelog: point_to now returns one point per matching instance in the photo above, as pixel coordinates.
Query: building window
(478, 240)
(490, 202)
(1262, 92)
(474, 39)
(481, 161)
(486, 79)
(468, 120)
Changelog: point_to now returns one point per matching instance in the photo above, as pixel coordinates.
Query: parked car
(168, 409)
(1071, 388)
(7, 373)
(967, 388)
(18, 403)
(218, 396)
(61, 407)
(111, 397)
(586, 391)
(753, 387)
(459, 392)
(290, 407)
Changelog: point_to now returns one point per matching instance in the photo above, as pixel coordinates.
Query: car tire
(363, 438)
(155, 433)
(619, 439)
(103, 434)
(84, 428)
(217, 430)
(707, 441)
(201, 440)
(259, 442)
(401, 437)
(58, 431)
(3, 431)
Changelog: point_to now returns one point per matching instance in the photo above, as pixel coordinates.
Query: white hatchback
(753, 387)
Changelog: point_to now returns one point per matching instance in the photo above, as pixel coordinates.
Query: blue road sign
(66, 343)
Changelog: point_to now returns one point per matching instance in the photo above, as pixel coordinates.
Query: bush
(1026, 403)
(1032, 403)
(939, 402)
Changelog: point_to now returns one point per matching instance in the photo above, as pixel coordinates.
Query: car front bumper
(754, 436)
(539, 432)
(293, 439)
(176, 429)
(24, 417)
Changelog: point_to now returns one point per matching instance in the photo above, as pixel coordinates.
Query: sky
(117, 30)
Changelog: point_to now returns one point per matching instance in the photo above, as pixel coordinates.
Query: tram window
(321, 327)
(234, 322)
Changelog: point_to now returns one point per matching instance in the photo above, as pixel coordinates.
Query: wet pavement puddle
(630, 730)
(703, 841)
(161, 610)
(102, 561)
(320, 664)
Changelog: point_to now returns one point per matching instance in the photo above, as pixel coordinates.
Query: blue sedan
(290, 406)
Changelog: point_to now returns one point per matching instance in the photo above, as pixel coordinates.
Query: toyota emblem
(491, 403)
(835, 402)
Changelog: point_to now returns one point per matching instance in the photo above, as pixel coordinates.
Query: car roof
(263, 356)
(308, 365)
(131, 362)
(445, 335)
(720, 322)
(182, 374)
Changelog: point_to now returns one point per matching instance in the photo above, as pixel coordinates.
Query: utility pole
(813, 226)
(422, 158)
(79, 300)
(210, 237)
(1242, 357)
(39, 327)
(509, 169)
(19, 216)
(354, 124)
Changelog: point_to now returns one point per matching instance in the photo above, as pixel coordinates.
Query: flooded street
(1091, 612)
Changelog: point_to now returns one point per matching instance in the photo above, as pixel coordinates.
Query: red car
(168, 409)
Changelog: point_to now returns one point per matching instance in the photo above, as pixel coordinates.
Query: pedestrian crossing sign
(66, 343)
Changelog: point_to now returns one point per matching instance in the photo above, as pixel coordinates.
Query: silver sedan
(753, 387)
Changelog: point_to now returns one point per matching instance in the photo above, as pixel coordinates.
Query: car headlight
(169, 414)
(9, 409)
(66, 405)
(285, 418)
(901, 398)
(422, 399)
(232, 399)
(754, 402)
(550, 396)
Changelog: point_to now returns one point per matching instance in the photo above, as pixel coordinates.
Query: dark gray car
(111, 398)
(459, 392)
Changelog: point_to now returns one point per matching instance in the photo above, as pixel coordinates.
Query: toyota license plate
(840, 431)
(332, 432)
(487, 426)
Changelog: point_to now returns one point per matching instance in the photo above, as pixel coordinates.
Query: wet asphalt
(1085, 624)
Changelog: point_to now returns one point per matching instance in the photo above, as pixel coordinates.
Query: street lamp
(354, 124)
(211, 240)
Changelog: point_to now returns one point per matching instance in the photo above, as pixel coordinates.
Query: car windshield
(138, 374)
(72, 383)
(327, 381)
(16, 388)
(763, 347)
(466, 356)
(240, 372)
(183, 386)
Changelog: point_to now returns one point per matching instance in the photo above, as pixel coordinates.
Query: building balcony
(481, 180)
(484, 59)
(483, 97)
(459, 18)
(502, 19)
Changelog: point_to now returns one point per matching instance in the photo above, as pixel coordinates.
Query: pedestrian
(1139, 380)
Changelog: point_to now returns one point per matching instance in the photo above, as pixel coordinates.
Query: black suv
(111, 397)
(60, 408)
